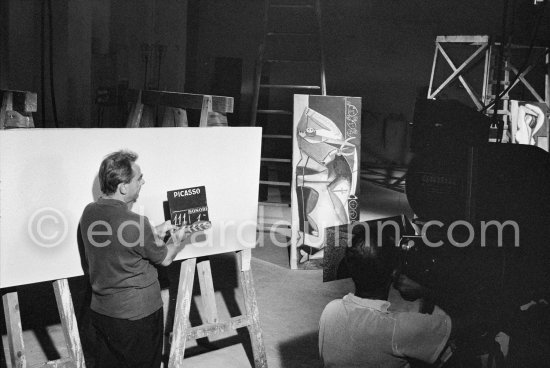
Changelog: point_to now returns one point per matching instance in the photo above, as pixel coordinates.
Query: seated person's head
(370, 264)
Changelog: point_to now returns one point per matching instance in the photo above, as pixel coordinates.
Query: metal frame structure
(511, 78)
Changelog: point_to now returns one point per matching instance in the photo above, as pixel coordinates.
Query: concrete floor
(290, 303)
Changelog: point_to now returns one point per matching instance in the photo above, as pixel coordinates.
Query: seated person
(365, 330)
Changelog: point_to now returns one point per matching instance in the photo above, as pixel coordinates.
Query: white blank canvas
(48, 176)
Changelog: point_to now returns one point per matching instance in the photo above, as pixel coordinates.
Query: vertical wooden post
(251, 305)
(206, 108)
(7, 105)
(68, 322)
(135, 113)
(14, 330)
(207, 291)
(183, 306)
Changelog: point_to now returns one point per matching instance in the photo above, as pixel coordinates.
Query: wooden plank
(221, 104)
(275, 183)
(23, 101)
(277, 136)
(245, 258)
(254, 329)
(4, 108)
(68, 322)
(205, 109)
(275, 112)
(134, 117)
(281, 160)
(60, 363)
(430, 88)
(14, 330)
(521, 77)
(211, 329)
(289, 86)
(207, 292)
(183, 306)
(464, 39)
(174, 117)
(274, 204)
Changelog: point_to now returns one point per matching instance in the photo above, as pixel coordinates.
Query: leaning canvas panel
(48, 176)
(326, 160)
(529, 123)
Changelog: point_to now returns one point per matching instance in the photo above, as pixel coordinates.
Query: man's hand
(180, 234)
(162, 229)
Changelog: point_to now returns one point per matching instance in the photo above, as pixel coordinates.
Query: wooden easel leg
(251, 305)
(206, 108)
(207, 291)
(68, 322)
(6, 106)
(183, 305)
(14, 330)
(134, 118)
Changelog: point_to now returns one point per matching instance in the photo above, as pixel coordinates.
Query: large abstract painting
(326, 158)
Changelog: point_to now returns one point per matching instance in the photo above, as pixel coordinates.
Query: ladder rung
(294, 6)
(499, 112)
(275, 112)
(277, 204)
(285, 160)
(502, 83)
(292, 61)
(289, 86)
(284, 34)
(275, 183)
(277, 136)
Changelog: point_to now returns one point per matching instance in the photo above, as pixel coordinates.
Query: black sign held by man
(188, 206)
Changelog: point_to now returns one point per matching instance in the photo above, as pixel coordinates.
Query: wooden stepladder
(183, 332)
(68, 324)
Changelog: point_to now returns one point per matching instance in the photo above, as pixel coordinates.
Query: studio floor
(290, 302)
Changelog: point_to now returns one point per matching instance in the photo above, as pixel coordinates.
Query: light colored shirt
(357, 332)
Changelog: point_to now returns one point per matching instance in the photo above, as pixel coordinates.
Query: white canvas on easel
(48, 176)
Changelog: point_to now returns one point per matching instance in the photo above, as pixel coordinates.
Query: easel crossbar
(61, 363)
(221, 104)
(211, 329)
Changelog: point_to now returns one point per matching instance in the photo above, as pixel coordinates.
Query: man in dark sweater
(121, 251)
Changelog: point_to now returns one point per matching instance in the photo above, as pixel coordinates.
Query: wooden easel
(68, 324)
(213, 108)
(16, 109)
(16, 112)
(182, 331)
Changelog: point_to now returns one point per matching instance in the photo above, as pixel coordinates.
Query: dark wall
(380, 50)
(95, 43)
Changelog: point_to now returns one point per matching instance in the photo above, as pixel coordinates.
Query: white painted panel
(48, 176)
